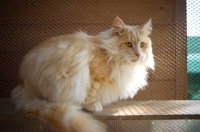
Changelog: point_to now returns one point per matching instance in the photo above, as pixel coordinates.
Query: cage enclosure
(175, 38)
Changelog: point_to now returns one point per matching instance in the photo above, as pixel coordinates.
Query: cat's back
(62, 52)
(64, 42)
(61, 45)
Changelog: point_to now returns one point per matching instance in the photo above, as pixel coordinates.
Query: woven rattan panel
(25, 23)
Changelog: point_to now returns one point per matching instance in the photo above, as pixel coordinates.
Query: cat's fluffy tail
(61, 117)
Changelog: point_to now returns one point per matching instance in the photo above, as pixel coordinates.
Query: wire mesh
(113, 126)
(193, 49)
(24, 126)
(25, 23)
(153, 125)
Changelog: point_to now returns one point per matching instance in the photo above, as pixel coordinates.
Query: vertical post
(181, 49)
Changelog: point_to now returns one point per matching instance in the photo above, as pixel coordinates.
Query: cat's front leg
(92, 104)
(93, 107)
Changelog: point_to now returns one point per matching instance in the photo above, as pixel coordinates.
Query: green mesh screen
(193, 49)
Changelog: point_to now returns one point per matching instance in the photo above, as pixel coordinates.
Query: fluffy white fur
(65, 73)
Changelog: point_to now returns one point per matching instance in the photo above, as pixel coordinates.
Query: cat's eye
(141, 44)
(128, 44)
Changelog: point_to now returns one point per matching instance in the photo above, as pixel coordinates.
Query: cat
(64, 74)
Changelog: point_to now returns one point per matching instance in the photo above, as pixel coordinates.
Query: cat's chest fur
(117, 79)
(100, 70)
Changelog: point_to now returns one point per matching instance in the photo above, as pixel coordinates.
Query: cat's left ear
(118, 26)
(147, 27)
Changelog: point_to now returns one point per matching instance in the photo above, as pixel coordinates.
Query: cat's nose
(137, 54)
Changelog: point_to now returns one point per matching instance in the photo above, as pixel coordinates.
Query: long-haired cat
(64, 74)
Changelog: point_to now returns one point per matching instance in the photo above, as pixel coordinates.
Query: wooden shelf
(151, 110)
(128, 110)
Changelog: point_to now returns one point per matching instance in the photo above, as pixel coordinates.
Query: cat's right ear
(118, 26)
(147, 27)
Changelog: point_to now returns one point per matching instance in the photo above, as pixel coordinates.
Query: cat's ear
(118, 26)
(147, 27)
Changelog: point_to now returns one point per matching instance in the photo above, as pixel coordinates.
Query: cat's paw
(94, 107)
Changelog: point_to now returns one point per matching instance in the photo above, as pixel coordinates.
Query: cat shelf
(119, 116)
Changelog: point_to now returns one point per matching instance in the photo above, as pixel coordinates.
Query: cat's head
(133, 42)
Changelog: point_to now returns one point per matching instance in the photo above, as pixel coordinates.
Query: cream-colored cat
(65, 73)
